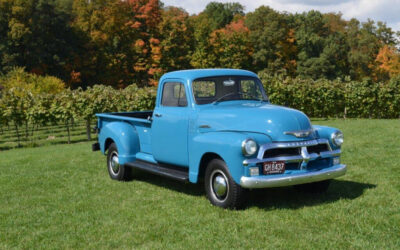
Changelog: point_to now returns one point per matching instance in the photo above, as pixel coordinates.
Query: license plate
(274, 167)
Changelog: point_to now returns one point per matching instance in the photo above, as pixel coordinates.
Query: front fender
(225, 144)
(326, 133)
(125, 137)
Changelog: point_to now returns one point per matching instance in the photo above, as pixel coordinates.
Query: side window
(174, 95)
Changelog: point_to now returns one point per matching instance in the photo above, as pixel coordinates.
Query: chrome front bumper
(268, 181)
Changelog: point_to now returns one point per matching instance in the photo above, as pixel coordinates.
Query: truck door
(170, 125)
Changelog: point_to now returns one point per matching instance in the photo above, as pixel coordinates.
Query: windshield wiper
(252, 98)
(226, 95)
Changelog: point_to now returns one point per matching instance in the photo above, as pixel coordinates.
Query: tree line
(114, 42)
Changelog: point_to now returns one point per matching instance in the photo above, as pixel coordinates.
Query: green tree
(221, 14)
(310, 38)
(202, 55)
(364, 46)
(35, 35)
(322, 47)
(273, 40)
(176, 39)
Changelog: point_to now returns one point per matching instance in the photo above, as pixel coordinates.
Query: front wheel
(115, 169)
(221, 189)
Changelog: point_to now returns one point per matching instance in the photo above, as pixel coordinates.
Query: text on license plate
(274, 167)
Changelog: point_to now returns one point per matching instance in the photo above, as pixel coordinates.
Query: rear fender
(124, 136)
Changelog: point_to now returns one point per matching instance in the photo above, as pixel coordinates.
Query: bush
(15, 104)
(21, 106)
(18, 78)
(135, 98)
(326, 98)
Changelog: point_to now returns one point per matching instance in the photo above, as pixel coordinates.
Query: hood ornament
(299, 133)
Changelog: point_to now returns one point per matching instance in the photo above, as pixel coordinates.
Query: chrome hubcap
(114, 163)
(219, 185)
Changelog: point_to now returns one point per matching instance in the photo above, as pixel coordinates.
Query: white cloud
(316, 2)
(378, 10)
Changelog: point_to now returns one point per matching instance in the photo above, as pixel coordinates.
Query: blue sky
(379, 10)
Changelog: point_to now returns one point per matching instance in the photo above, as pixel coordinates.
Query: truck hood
(268, 119)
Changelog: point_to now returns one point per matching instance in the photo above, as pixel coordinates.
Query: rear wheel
(314, 187)
(115, 169)
(221, 189)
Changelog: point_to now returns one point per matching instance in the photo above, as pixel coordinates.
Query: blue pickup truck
(218, 126)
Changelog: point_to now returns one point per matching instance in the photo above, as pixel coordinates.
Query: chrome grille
(295, 149)
(278, 152)
(301, 152)
(318, 148)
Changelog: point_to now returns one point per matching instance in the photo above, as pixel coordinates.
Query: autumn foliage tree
(116, 43)
(106, 43)
(232, 46)
(388, 60)
(120, 41)
(146, 15)
(208, 29)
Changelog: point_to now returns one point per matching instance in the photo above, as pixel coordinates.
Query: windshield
(227, 88)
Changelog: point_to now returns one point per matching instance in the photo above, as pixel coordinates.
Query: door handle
(157, 115)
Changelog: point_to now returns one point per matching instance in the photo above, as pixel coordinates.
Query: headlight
(249, 147)
(337, 138)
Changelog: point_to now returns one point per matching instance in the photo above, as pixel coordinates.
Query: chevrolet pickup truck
(218, 126)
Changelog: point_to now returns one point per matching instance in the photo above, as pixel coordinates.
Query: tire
(221, 189)
(115, 170)
(314, 187)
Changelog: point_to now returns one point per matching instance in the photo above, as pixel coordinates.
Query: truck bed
(137, 116)
(127, 122)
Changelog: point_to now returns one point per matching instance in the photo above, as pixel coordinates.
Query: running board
(176, 173)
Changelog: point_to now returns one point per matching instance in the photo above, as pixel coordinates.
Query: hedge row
(324, 98)
(20, 108)
(321, 98)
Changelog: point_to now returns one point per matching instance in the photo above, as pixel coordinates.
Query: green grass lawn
(60, 196)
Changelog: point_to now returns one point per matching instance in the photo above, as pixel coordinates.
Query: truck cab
(218, 126)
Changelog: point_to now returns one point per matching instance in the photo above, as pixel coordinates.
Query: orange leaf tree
(388, 60)
(232, 46)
